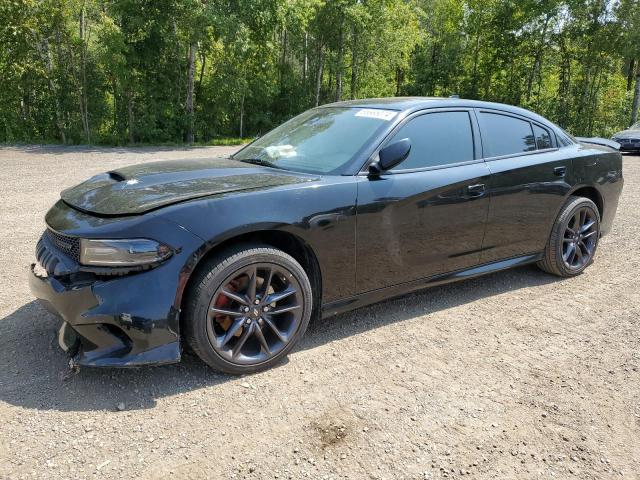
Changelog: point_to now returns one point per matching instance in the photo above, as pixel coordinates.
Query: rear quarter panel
(600, 167)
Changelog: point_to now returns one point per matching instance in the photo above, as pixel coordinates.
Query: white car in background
(629, 139)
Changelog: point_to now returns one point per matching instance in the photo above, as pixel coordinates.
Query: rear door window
(505, 135)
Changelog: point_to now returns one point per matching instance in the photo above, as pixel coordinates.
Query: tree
(126, 71)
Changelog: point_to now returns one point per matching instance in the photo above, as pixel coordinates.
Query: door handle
(476, 190)
(560, 171)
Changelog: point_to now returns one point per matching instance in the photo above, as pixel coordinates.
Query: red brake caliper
(223, 301)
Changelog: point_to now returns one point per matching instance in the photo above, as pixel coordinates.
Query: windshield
(322, 140)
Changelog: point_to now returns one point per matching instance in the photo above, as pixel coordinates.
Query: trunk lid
(600, 141)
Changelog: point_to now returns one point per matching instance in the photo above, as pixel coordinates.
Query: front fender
(320, 214)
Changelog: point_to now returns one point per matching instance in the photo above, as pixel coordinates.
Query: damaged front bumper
(113, 322)
(124, 320)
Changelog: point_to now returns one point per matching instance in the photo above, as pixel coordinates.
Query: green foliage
(563, 59)
(174, 71)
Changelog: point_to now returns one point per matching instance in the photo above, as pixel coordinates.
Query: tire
(274, 327)
(564, 246)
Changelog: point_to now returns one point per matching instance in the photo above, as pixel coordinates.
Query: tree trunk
(630, 74)
(45, 54)
(84, 110)
(203, 59)
(592, 101)
(474, 75)
(583, 97)
(339, 63)
(283, 57)
(399, 80)
(354, 65)
(536, 69)
(285, 42)
(305, 64)
(242, 115)
(636, 99)
(565, 81)
(432, 85)
(130, 118)
(60, 94)
(319, 73)
(190, 86)
(116, 105)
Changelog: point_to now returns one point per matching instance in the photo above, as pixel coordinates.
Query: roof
(392, 103)
(410, 104)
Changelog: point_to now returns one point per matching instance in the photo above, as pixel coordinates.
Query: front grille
(70, 246)
(58, 254)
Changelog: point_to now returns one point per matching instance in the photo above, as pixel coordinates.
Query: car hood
(631, 133)
(140, 188)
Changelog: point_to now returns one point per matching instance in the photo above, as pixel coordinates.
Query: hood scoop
(118, 177)
(141, 188)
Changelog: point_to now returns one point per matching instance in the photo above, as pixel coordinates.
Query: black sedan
(342, 206)
(629, 139)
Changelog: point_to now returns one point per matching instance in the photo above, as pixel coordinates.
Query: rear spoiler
(600, 141)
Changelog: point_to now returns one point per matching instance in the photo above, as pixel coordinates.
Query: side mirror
(391, 155)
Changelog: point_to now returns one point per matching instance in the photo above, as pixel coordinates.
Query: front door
(428, 214)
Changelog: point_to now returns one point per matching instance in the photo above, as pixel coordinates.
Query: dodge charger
(342, 206)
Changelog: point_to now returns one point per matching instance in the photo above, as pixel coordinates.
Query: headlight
(122, 253)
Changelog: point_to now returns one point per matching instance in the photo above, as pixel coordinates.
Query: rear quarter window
(543, 137)
(564, 140)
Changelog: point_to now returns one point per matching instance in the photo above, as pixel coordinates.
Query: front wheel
(247, 308)
(574, 238)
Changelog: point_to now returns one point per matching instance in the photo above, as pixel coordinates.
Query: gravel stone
(495, 350)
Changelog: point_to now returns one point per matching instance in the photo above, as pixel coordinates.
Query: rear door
(428, 214)
(529, 178)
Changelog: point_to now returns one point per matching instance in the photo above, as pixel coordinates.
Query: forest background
(118, 72)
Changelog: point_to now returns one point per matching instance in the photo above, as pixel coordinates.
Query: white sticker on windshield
(280, 151)
(375, 113)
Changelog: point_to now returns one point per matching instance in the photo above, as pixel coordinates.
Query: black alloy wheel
(580, 238)
(255, 313)
(247, 308)
(574, 238)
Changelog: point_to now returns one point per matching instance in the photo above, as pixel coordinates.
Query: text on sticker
(375, 113)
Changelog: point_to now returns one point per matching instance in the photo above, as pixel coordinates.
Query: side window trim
(433, 167)
(475, 134)
(488, 158)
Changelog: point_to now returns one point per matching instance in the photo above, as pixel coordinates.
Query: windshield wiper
(261, 162)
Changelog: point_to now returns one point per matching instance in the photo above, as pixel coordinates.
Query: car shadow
(34, 372)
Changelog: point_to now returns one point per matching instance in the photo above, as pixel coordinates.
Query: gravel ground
(513, 375)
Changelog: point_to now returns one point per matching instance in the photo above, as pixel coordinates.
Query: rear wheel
(247, 308)
(573, 240)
